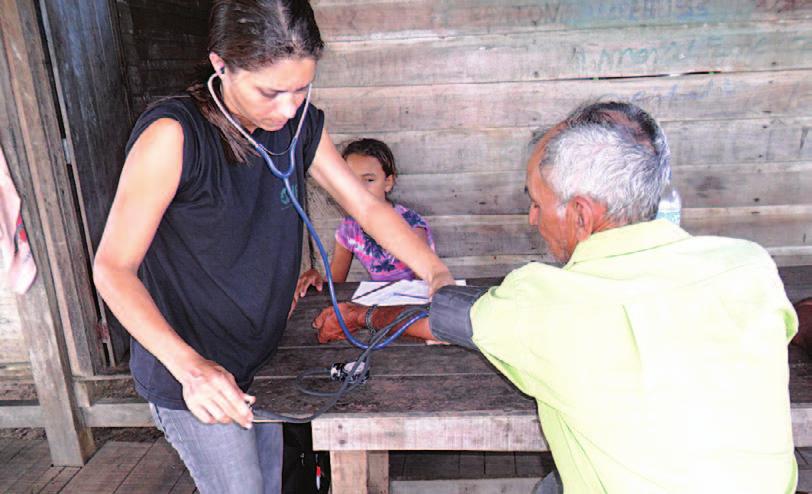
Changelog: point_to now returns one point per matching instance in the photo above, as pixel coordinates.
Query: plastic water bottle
(670, 207)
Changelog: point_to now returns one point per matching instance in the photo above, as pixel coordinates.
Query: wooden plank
(449, 360)
(29, 133)
(394, 19)
(397, 460)
(18, 473)
(349, 472)
(802, 425)
(531, 464)
(58, 482)
(538, 56)
(472, 465)
(48, 477)
(86, 62)
(157, 471)
(118, 413)
(694, 142)
(108, 468)
(378, 466)
(11, 448)
(431, 465)
(500, 465)
(539, 104)
(184, 485)
(489, 432)
(701, 186)
(467, 486)
(12, 344)
(492, 432)
(20, 413)
(505, 235)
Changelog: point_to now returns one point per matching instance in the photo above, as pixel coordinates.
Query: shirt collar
(627, 240)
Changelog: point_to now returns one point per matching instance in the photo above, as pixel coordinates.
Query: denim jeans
(224, 459)
(551, 484)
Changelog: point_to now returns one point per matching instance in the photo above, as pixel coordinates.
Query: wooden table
(423, 398)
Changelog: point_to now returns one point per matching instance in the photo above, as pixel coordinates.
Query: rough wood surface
(49, 309)
(373, 19)
(86, 61)
(469, 242)
(533, 56)
(108, 468)
(349, 472)
(159, 470)
(31, 138)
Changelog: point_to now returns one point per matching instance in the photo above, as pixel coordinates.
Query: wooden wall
(457, 87)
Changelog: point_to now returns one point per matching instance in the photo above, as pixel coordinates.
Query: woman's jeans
(224, 459)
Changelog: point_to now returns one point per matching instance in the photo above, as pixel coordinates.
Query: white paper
(403, 292)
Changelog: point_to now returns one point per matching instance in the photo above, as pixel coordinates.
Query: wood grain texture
(535, 56)
(344, 20)
(539, 104)
(349, 472)
(108, 468)
(736, 141)
(50, 310)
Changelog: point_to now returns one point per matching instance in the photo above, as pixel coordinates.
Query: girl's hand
(308, 278)
(311, 277)
(212, 394)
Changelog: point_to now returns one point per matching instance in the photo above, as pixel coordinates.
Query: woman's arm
(340, 266)
(148, 183)
(376, 217)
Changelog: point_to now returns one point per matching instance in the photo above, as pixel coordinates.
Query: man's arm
(449, 317)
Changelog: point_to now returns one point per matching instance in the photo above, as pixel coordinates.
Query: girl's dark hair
(248, 35)
(375, 149)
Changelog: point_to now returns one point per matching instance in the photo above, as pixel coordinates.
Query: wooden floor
(154, 468)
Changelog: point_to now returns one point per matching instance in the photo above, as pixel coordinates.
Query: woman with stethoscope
(201, 251)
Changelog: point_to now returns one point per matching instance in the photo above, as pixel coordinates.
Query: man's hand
(439, 280)
(212, 395)
(804, 337)
(327, 322)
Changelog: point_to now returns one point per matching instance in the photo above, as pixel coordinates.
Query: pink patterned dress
(380, 264)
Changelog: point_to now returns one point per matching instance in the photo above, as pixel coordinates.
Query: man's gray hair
(614, 153)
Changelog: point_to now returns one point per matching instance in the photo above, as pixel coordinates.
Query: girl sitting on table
(374, 164)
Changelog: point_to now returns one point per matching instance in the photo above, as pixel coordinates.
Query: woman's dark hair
(374, 149)
(249, 35)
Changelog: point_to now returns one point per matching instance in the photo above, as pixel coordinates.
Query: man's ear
(587, 214)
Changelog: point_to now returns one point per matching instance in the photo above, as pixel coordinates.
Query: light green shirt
(658, 361)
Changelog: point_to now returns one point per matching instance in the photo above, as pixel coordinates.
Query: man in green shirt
(658, 359)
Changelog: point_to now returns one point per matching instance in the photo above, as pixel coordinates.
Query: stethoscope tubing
(284, 176)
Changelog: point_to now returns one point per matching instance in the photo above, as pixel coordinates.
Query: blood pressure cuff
(450, 314)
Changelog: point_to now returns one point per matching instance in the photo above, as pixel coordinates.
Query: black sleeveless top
(223, 265)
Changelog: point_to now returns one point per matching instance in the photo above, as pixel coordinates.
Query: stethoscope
(284, 176)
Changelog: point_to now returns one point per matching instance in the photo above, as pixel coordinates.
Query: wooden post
(89, 74)
(29, 135)
(349, 472)
(359, 472)
(378, 466)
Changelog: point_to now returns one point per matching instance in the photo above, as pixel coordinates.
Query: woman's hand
(212, 394)
(327, 322)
